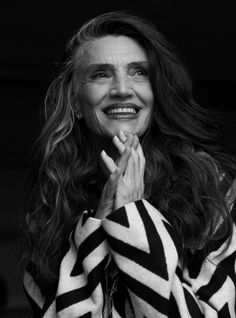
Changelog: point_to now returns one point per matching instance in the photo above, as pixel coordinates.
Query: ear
(77, 111)
(75, 100)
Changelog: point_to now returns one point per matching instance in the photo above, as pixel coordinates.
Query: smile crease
(121, 110)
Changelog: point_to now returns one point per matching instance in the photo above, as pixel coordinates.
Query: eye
(140, 72)
(100, 74)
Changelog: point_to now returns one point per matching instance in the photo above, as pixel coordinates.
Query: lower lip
(122, 116)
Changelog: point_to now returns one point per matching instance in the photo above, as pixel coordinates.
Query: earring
(78, 113)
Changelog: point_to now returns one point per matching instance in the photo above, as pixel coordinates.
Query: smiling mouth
(124, 110)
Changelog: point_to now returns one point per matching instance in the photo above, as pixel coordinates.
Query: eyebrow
(95, 66)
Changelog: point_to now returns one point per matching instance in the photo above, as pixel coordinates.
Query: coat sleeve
(81, 284)
(146, 250)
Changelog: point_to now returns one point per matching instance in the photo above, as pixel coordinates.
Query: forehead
(114, 50)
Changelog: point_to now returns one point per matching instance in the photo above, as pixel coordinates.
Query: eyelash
(143, 72)
(99, 73)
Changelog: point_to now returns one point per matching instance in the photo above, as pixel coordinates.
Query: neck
(103, 143)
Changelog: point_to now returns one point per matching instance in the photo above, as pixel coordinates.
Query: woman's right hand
(130, 185)
(126, 180)
(115, 170)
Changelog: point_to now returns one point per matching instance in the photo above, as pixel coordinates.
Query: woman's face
(114, 89)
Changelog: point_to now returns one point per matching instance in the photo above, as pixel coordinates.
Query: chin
(125, 131)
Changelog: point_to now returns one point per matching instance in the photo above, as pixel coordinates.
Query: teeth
(121, 111)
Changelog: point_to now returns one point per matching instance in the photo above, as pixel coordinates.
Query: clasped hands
(125, 183)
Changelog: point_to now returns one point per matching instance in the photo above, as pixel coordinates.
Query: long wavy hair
(184, 156)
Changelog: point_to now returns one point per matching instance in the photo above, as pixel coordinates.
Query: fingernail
(115, 138)
(103, 153)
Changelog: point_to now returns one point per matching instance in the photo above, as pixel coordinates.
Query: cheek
(145, 92)
(93, 95)
(88, 105)
(144, 124)
(150, 96)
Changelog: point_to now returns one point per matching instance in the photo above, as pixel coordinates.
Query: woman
(131, 200)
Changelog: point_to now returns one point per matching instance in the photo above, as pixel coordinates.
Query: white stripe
(208, 311)
(170, 251)
(204, 277)
(178, 294)
(95, 257)
(129, 235)
(93, 304)
(83, 232)
(143, 275)
(67, 282)
(136, 235)
(225, 295)
(142, 308)
(217, 256)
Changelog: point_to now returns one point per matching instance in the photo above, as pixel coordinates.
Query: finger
(111, 184)
(108, 162)
(137, 172)
(142, 160)
(129, 175)
(135, 142)
(119, 144)
(129, 141)
(122, 136)
(123, 160)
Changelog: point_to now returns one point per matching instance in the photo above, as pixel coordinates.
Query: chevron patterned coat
(134, 253)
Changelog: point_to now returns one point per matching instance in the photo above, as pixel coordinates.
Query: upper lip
(121, 105)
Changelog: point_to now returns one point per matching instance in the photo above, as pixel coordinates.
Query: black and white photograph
(118, 159)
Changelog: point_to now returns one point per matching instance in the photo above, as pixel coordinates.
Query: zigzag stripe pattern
(128, 266)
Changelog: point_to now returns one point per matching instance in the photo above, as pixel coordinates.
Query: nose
(121, 87)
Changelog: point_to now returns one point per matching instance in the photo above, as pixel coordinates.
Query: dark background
(33, 37)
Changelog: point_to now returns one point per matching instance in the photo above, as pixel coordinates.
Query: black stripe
(174, 236)
(173, 308)
(87, 315)
(192, 305)
(179, 273)
(224, 312)
(195, 263)
(228, 264)
(78, 295)
(154, 261)
(169, 228)
(120, 217)
(146, 293)
(216, 282)
(86, 247)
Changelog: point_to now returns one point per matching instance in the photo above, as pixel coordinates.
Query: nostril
(121, 86)
(121, 91)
